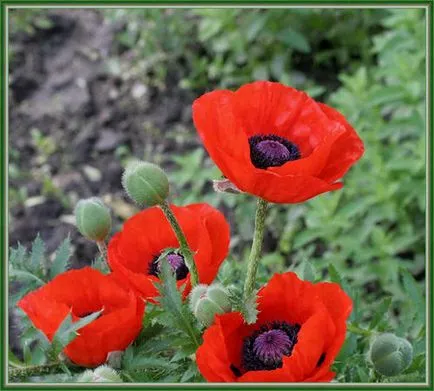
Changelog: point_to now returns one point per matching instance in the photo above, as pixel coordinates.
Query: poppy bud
(93, 219)
(391, 354)
(207, 301)
(145, 183)
(102, 374)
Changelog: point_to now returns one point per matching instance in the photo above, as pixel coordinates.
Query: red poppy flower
(276, 142)
(133, 252)
(82, 292)
(299, 331)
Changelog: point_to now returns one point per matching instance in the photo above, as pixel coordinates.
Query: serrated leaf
(294, 39)
(61, 259)
(190, 373)
(305, 237)
(248, 307)
(387, 95)
(415, 294)
(307, 271)
(411, 287)
(170, 299)
(23, 275)
(146, 362)
(256, 26)
(381, 312)
(363, 375)
(68, 330)
(179, 355)
(349, 347)
(18, 256)
(334, 274)
(99, 263)
(37, 254)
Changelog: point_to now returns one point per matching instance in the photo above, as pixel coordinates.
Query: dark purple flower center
(270, 346)
(176, 261)
(266, 347)
(271, 151)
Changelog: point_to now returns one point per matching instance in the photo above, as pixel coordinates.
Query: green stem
(255, 252)
(102, 247)
(184, 247)
(357, 330)
(22, 373)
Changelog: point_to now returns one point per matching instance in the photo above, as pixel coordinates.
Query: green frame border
(4, 4)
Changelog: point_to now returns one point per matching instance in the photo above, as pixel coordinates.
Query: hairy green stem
(184, 247)
(102, 247)
(357, 330)
(18, 374)
(255, 252)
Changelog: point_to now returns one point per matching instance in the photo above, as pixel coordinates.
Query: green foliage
(68, 330)
(370, 236)
(164, 352)
(60, 261)
(229, 47)
(28, 270)
(28, 20)
(34, 267)
(159, 38)
(244, 45)
(171, 301)
(352, 364)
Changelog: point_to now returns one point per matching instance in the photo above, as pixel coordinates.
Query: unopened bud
(145, 183)
(208, 301)
(390, 354)
(102, 374)
(93, 219)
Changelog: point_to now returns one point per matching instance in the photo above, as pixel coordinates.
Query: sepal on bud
(225, 186)
(390, 354)
(102, 374)
(93, 219)
(208, 301)
(146, 184)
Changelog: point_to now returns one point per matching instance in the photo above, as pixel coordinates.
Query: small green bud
(207, 301)
(219, 295)
(145, 183)
(86, 377)
(102, 374)
(93, 219)
(390, 354)
(197, 293)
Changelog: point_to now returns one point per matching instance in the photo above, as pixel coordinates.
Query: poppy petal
(218, 230)
(217, 352)
(320, 310)
(288, 296)
(147, 234)
(311, 343)
(81, 292)
(219, 129)
(265, 107)
(314, 163)
(347, 149)
(327, 144)
(339, 305)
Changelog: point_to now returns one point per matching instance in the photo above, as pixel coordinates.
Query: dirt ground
(61, 86)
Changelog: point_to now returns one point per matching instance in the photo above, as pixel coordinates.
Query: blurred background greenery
(367, 63)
